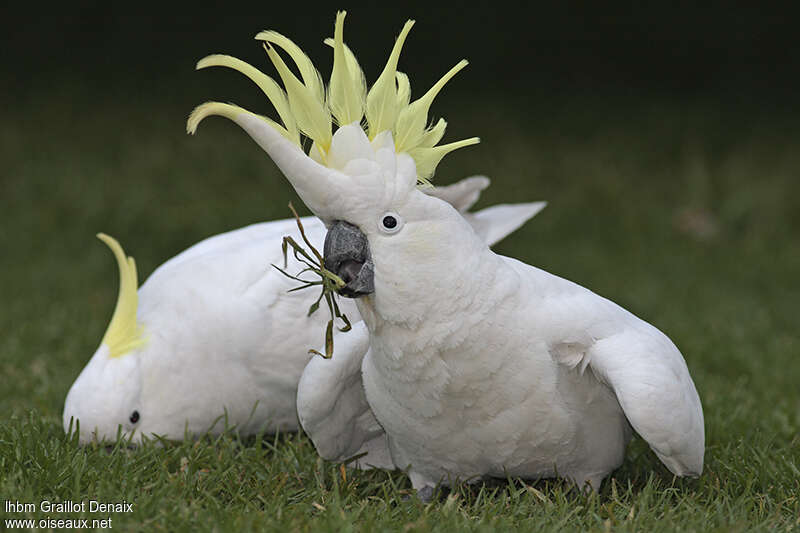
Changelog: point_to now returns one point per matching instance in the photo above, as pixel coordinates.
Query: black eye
(389, 222)
(134, 417)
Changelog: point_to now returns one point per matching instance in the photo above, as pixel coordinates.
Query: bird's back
(228, 330)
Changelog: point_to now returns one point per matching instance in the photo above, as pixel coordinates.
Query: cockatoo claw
(426, 494)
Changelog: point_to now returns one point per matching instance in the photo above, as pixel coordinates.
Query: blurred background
(665, 136)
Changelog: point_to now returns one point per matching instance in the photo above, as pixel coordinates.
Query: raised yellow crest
(309, 108)
(124, 333)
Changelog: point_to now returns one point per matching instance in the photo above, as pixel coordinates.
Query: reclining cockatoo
(214, 332)
(472, 364)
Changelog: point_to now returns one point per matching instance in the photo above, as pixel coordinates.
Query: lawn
(685, 211)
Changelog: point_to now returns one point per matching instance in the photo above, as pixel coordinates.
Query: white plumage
(468, 364)
(222, 337)
(477, 364)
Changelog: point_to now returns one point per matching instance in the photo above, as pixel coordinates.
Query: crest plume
(307, 108)
(124, 333)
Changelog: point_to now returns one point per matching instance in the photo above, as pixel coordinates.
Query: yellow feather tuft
(305, 108)
(228, 111)
(411, 123)
(124, 333)
(403, 90)
(382, 107)
(357, 80)
(427, 159)
(310, 75)
(348, 88)
(434, 134)
(267, 85)
(310, 111)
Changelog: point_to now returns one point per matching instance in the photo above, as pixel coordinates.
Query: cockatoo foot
(426, 494)
(425, 487)
(588, 483)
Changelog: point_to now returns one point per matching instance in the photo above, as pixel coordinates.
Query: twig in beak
(329, 282)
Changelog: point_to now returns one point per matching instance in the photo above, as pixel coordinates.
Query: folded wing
(333, 409)
(657, 394)
(640, 364)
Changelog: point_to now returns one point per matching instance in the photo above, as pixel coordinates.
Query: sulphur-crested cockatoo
(472, 364)
(213, 332)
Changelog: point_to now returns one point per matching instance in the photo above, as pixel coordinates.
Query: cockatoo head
(106, 395)
(362, 180)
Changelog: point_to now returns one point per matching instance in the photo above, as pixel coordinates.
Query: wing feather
(656, 392)
(638, 362)
(333, 408)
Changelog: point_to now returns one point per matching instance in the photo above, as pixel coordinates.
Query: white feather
(501, 390)
(224, 340)
(477, 362)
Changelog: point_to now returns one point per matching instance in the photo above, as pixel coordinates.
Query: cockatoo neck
(432, 275)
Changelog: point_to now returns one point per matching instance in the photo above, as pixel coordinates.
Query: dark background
(678, 48)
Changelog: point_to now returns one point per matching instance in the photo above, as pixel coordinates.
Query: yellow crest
(124, 333)
(307, 107)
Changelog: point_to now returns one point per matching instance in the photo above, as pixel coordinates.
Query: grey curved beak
(347, 255)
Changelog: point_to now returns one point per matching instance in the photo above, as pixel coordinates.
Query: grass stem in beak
(329, 282)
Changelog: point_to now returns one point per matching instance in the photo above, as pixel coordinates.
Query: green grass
(628, 183)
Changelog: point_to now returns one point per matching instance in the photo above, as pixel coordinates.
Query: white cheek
(423, 241)
(125, 373)
(104, 395)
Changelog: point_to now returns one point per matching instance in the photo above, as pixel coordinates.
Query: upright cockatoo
(472, 364)
(213, 332)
